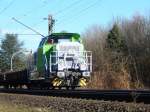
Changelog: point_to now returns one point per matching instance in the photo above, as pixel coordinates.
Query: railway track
(142, 96)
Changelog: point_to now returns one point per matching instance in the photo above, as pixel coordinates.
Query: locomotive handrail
(86, 54)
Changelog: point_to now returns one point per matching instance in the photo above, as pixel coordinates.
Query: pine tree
(10, 45)
(117, 49)
(115, 39)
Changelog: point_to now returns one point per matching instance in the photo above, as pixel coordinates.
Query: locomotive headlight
(86, 74)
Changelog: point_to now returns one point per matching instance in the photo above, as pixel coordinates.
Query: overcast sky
(70, 15)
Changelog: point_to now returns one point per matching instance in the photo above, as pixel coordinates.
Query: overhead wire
(5, 8)
(69, 6)
(73, 9)
(62, 10)
(35, 24)
(80, 13)
(27, 34)
(35, 8)
(45, 2)
(27, 27)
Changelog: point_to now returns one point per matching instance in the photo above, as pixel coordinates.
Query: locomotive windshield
(57, 37)
(63, 40)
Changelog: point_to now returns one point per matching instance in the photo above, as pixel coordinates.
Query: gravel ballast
(58, 104)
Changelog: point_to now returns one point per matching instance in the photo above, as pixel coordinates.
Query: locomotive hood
(69, 46)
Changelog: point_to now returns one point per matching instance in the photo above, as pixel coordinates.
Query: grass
(9, 107)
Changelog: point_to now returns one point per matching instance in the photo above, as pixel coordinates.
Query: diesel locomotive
(60, 61)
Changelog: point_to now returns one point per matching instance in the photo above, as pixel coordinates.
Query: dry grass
(9, 107)
(110, 80)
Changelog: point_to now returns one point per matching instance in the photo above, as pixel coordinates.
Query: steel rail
(137, 96)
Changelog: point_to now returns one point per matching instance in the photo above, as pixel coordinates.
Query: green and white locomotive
(62, 60)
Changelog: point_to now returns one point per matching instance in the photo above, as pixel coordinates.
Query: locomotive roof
(63, 35)
(56, 36)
